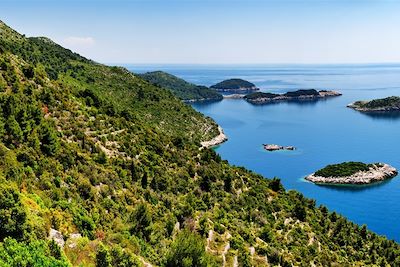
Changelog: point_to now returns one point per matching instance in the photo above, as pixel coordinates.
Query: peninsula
(217, 140)
(388, 104)
(304, 94)
(356, 173)
(184, 90)
(235, 86)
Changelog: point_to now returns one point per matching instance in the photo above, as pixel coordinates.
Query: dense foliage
(302, 92)
(233, 84)
(113, 164)
(181, 88)
(257, 95)
(343, 169)
(292, 94)
(392, 102)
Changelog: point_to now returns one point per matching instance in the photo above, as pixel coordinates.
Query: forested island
(304, 94)
(389, 104)
(356, 173)
(235, 86)
(182, 89)
(99, 167)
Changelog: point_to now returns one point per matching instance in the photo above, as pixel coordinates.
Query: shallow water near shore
(324, 132)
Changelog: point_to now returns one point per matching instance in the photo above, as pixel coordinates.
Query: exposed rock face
(311, 94)
(73, 240)
(273, 147)
(376, 173)
(234, 96)
(57, 237)
(219, 139)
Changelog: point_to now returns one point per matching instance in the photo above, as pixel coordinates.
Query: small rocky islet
(353, 173)
(388, 104)
(273, 147)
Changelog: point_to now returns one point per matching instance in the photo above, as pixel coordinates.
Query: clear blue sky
(215, 31)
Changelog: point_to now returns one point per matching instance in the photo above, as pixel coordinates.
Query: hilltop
(181, 88)
(111, 169)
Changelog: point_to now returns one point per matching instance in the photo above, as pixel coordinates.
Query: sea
(324, 132)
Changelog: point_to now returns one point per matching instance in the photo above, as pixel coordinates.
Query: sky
(215, 31)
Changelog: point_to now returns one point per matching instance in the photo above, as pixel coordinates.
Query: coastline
(373, 175)
(219, 139)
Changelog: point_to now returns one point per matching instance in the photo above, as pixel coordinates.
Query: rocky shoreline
(273, 147)
(376, 173)
(219, 139)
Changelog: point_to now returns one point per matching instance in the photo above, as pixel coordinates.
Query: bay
(325, 131)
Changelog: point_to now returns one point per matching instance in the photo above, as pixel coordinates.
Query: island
(184, 90)
(273, 147)
(355, 173)
(388, 104)
(235, 86)
(303, 94)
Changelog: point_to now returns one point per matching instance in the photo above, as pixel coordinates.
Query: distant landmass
(353, 173)
(181, 88)
(388, 104)
(235, 86)
(309, 94)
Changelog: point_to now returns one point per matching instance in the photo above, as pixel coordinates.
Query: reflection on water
(389, 115)
(354, 188)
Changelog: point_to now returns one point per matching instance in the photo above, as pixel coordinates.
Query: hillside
(179, 87)
(111, 168)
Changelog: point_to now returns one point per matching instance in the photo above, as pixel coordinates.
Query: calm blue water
(324, 132)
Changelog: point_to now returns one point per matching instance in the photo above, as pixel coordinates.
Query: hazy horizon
(215, 32)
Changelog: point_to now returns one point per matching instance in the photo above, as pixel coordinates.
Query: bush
(187, 250)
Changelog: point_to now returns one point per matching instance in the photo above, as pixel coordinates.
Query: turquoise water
(324, 132)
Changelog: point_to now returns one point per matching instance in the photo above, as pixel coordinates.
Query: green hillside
(179, 87)
(112, 167)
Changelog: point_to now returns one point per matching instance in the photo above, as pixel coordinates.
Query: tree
(14, 130)
(103, 257)
(187, 250)
(49, 140)
(141, 219)
(275, 184)
(12, 213)
(299, 211)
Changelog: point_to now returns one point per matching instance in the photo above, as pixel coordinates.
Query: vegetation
(302, 92)
(257, 95)
(181, 88)
(293, 94)
(114, 164)
(389, 103)
(343, 169)
(234, 84)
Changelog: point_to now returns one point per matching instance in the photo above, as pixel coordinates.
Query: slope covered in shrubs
(114, 165)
